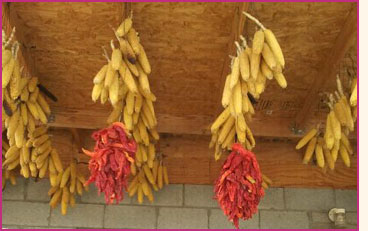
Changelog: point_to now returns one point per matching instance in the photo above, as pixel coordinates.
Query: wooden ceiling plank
(327, 73)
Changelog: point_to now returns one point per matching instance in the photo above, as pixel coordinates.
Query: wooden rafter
(328, 71)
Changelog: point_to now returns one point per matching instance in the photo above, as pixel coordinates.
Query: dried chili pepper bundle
(238, 189)
(110, 161)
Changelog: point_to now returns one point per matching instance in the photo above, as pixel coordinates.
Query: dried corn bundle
(250, 70)
(65, 186)
(327, 146)
(124, 82)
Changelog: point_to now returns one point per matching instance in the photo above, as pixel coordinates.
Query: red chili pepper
(110, 161)
(238, 189)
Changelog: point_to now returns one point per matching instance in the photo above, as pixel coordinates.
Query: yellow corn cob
(280, 78)
(250, 137)
(346, 143)
(226, 129)
(110, 74)
(13, 123)
(65, 178)
(33, 168)
(7, 72)
(127, 51)
(6, 56)
(140, 194)
(329, 136)
(124, 27)
(13, 164)
(72, 200)
(268, 57)
(166, 176)
(133, 41)
(344, 155)
(230, 137)
(138, 103)
(266, 71)
(143, 60)
(353, 97)
(340, 114)
(65, 201)
(43, 169)
(104, 95)
(348, 116)
(244, 65)
(235, 72)
(130, 103)
(245, 107)
(335, 150)
(154, 134)
(237, 99)
(41, 114)
(143, 80)
(116, 57)
(241, 122)
(19, 134)
(160, 176)
(15, 81)
(144, 153)
(115, 114)
(96, 91)
(306, 138)
(127, 78)
(56, 159)
(41, 158)
(310, 150)
(258, 42)
(226, 94)
(33, 96)
(328, 157)
(43, 147)
(260, 83)
(24, 96)
(274, 46)
(31, 126)
(336, 126)
(33, 109)
(55, 198)
(32, 84)
(40, 140)
(240, 133)
(52, 168)
(319, 154)
(24, 113)
(128, 120)
(39, 132)
(132, 68)
(114, 89)
(254, 65)
(101, 74)
(79, 187)
(148, 174)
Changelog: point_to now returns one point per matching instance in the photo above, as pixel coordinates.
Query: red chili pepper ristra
(238, 189)
(110, 161)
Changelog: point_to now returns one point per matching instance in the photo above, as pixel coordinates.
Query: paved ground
(177, 206)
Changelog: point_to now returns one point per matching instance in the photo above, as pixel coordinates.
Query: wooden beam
(328, 71)
(262, 125)
(238, 26)
(190, 161)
